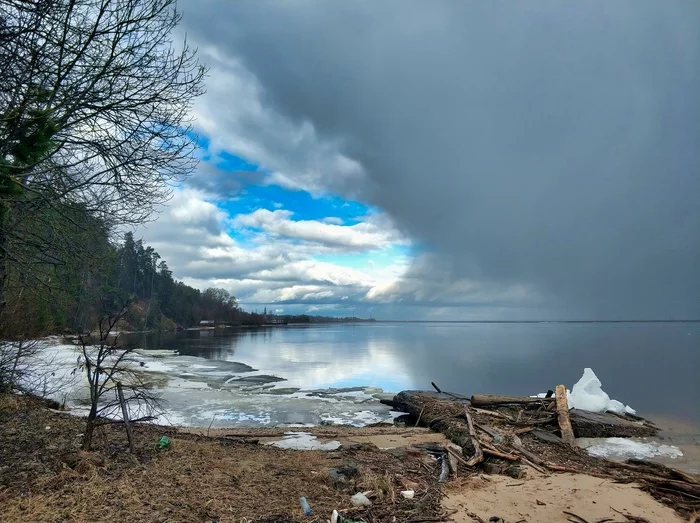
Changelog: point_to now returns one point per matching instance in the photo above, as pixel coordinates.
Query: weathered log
(452, 456)
(489, 400)
(593, 425)
(547, 437)
(440, 413)
(478, 455)
(567, 433)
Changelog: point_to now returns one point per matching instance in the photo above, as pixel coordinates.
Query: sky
(482, 160)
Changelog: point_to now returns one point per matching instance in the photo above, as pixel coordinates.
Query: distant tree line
(129, 273)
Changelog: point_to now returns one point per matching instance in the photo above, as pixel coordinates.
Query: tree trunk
(89, 428)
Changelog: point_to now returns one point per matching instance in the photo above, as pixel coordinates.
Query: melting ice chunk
(588, 395)
(625, 448)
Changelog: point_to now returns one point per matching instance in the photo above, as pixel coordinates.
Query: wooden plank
(478, 454)
(567, 433)
(487, 400)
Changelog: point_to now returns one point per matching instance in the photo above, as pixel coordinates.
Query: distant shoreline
(538, 321)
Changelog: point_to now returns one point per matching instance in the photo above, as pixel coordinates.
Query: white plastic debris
(408, 494)
(335, 517)
(360, 500)
(625, 448)
(588, 395)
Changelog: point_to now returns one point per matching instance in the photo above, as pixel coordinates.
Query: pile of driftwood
(504, 434)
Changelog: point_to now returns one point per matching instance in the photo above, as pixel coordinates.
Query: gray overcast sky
(548, 150)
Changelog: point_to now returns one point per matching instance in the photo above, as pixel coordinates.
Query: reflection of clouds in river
(365, 362)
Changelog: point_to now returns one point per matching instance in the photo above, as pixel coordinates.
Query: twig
(475, 517)
(488, 429)
(478, 454)
(536, 467)
(210, 424)
(419, 416)
(583, 520)
(502, 455)
(436, 387)
(630, 517)
(495, 414)
(457, 456)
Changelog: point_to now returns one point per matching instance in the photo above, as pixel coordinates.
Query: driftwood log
(440, 413)
(445, 413)
(567, 433)
(491, 400)
(593, 425)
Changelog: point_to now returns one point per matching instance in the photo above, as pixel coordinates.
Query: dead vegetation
(45, 477)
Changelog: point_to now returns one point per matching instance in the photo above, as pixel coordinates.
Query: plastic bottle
(305, 505)
(164, 442)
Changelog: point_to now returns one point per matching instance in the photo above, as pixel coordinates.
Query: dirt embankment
(45, 478)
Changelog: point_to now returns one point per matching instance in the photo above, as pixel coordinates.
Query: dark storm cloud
(547, 144)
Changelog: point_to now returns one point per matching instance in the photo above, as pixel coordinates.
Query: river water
(279, 375)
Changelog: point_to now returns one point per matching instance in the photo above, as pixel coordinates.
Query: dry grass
(9, 403)
(46, 478)
(194, 481)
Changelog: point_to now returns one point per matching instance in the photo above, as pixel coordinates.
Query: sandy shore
(552, 499)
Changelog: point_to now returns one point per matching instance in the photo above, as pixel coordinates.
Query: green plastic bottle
(164, 443)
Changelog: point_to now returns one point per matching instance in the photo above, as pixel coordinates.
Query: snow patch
(303, 441)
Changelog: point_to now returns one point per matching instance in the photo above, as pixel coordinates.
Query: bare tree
(94, 103)
(117, 389)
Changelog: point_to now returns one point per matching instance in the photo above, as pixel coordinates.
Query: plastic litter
(408, 494)
(444, 469)
(305, 505)
(164, 443)
(335, 517)
(360, 500)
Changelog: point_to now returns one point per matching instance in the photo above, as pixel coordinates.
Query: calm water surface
(651, 366)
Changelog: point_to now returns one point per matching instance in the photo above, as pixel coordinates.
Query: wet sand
(683, 434)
